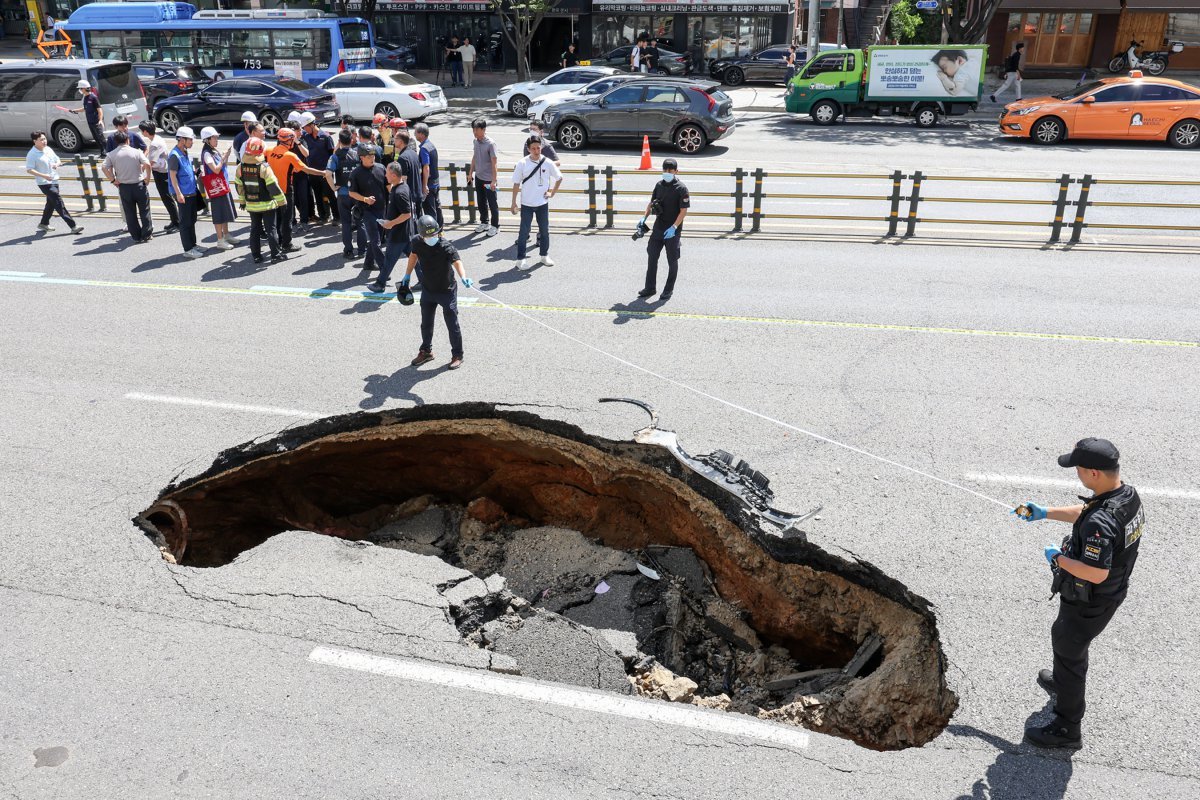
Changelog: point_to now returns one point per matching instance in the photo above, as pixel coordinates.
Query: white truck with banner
(925, 82)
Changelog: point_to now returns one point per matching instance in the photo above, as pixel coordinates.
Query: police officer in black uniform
(440, 264)
(669, 204)
(1091, 575)
(337, 173)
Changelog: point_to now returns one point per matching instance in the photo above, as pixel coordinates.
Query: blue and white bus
(307, 44)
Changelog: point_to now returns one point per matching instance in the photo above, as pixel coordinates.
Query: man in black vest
(1091, 574)
(337, 175)
(368, 187)
(430, 180)
(410, 162)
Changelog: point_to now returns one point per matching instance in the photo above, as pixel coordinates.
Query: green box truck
(924, 82)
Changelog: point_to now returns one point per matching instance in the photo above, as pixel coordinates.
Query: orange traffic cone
(645, 154)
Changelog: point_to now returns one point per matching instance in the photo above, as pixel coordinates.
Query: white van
(37, 95)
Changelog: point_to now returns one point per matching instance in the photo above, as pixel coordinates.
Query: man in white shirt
(42, 163)
(536, 179)
(157, 150)
(467, 51)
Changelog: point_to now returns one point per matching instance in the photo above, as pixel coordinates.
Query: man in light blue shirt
(42, 163)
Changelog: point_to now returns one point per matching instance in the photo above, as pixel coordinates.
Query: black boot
(1056, 734)
(1045, 679)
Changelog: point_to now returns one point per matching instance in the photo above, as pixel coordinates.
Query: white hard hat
(248, 116)
(83, 84)
(293, 116)
(185, 133)
(307, 118)
(207, 132)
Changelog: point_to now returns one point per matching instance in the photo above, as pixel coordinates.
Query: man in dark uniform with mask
(1091, 574)
(440, 265)
(669, 204)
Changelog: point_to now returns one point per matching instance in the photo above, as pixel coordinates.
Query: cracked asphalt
(165, 681)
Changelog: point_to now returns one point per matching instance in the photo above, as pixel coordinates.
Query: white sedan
(368, 92)
(515, 97)
(538, 107)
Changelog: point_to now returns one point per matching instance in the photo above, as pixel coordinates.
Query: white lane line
(1062, 483)
(342, 294)
(559, 695)
(197, 403)
(14, 274)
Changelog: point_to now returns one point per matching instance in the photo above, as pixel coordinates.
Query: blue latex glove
(467, 282)
(1036, 512)
(669, 233)
(1053, 551)
(405, 280)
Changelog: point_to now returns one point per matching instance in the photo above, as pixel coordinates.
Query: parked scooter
(1154, 62)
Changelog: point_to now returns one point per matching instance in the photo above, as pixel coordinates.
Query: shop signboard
(685, 7)
(453, 6)
(925, 72)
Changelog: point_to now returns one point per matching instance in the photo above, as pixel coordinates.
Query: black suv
(766, 66)
(686, 113)
(165, 79)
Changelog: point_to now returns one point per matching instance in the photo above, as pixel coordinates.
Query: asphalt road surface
(125, 365)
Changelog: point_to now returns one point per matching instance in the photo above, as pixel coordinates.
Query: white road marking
(342, 294)
(1063, 483)
(197, 403)
(559, 695)
(14, 274)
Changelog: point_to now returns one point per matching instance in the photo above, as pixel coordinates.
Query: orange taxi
(1131, 107)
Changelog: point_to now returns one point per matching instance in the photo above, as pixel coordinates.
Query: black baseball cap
(1092, 453)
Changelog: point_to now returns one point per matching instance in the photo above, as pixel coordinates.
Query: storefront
(716, 29)
(428, 27)
(1058, 34)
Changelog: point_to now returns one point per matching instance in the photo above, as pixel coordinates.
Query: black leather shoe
(665, 296)
(291, 248)
(1045, 679)
(646, 292)
(377, 288)
(1055, 734)
(174, 226)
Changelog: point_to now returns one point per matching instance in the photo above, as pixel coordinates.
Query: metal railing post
(1081, 205)
(591, 195)
(471, 207)
(894, 211)
(96, 179)
(454, 193)
(739, 197)
(756, 216)
(1060, 207)
(83, 181)
(913, 200)
(609, 197)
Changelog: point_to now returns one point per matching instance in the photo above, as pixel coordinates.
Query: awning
(1164, 5)
(1092, 6)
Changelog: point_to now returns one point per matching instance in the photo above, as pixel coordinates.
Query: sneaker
(481, 227)
(1045, 679)
(78, 229)
(992, 98)
(524, 263)
(233, 240)
(195, 252)
(258, 259)
(1056, 734)
(423, 357)
(222, 244)
(46, 228)
(547, 260)
(665, 296)
(277, 257)
(492, 231)
(455, 363)
(377, 288)
(646, 292)
(291, 248)
(174, 226)
(348, 255)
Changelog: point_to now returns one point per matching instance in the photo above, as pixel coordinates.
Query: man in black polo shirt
(93, 112)
(669, 204)
(121, 123)
(1091, 574)
(651, 56)
(440, 263)
(320, 148)
(569, 58)
(368, 188)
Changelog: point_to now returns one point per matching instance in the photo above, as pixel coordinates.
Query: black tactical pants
(1071, 636)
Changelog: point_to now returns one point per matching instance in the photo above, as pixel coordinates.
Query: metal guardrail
(906, 195)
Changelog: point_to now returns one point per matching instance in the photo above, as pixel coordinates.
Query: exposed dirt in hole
(736, 607)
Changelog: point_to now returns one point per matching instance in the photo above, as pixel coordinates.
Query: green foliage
(904, 22)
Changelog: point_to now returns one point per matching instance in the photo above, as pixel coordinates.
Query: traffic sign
(928, 5)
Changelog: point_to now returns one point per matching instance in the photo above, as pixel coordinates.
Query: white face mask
(430, 240)
(668, 176)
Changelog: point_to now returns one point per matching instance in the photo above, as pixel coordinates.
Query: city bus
(307, 44)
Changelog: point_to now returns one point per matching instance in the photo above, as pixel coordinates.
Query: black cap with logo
(1091, 453)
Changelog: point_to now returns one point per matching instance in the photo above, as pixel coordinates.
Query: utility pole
(814, 16)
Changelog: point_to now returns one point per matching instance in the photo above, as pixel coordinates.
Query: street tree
(520, 20)
(967, 21)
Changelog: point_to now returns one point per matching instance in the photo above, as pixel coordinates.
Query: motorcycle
(1154, 62)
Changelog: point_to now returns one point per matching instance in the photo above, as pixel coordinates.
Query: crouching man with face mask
(440, 265)
(669, 205)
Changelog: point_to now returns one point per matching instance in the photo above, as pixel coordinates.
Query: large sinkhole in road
(687, 578)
